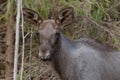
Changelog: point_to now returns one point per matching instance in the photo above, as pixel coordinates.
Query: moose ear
(65, 16)
(31, 17)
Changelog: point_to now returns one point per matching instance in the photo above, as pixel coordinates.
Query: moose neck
(61, 56)
(64, 45)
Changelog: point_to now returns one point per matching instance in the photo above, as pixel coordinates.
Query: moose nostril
(44, 50)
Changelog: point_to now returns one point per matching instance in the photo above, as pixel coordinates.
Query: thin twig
(26, 34)
(23, 45)
(30, 71)
(16, 41)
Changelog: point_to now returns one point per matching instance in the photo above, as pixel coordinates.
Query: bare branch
(30, 57)
(16, 41)
(26, 35)
(23, 44)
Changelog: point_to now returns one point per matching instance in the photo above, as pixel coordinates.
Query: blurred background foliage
(95, 19)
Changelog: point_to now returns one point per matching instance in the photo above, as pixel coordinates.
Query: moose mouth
(46, 57)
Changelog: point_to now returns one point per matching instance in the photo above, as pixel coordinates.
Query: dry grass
(40, 71)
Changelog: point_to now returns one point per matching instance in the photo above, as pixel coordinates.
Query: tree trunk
(10, 46)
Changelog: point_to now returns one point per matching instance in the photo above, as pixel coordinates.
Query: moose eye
(54, 39)
(37, 34)
(57, 35)
(40, 38)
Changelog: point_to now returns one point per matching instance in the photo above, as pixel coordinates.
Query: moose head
(49, 30)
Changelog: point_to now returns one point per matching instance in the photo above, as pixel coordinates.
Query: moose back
(81, 59)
